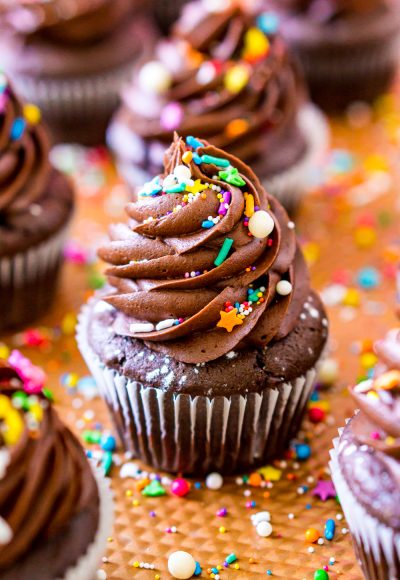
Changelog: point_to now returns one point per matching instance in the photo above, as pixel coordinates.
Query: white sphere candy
(181, 565)
(264, 529)
(214, 481)
(261, 224)
(154, 77)
(169, 181)
(260, 517)
(284, 288)
(182, 173)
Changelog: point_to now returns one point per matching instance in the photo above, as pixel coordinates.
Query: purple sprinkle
(256, 208)
(152, 514)
(227, 196)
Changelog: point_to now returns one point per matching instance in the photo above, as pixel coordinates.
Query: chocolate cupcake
(226, 76)
(206, 341)
(71, 57)
(365, 466)
(349, 49)
(167, 13)
(55, 510)
(36, 204)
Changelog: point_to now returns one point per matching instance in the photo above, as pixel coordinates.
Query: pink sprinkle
(326, 568)
(375, 435)
(171, 116)
(221, 513)
(73, 252)
(33, 377)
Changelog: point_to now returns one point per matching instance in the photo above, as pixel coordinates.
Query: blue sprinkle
(17, 129)
(193, 142)
(215, 570)
(197, 570)
(308, 506)
(197, 485)
(269, 572)
(330, 528)
(368, 278)
(341, 161)
(207, 224)
(314, 396)
(197, 159)
(268, 22)
(108, 443)
(237, 305)
(303, 451)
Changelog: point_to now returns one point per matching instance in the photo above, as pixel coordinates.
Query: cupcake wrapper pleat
(28, 280)
(69, 97)
(88, 564)
(198, 434)
(377, 546)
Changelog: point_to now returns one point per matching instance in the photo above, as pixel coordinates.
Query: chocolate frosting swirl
(47, 478)
(66, 21)
(232, 82)
(24, 154)
(369, 450)
(328, 10)
(165, 266)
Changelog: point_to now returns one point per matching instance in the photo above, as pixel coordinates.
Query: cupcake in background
(55, 509)
(166, 12)
(71, 57)
(349, 49)
(206, 342)
(36, 205)
(224, 75)
(365, 465)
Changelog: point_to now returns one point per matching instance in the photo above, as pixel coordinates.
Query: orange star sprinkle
(229, 320)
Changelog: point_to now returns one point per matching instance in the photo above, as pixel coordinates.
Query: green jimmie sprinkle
(224, 251)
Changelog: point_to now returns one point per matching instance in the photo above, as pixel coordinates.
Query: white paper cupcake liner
(34, 272)
(291, 185)
(377, 546)
(198, 434)
(88, 564)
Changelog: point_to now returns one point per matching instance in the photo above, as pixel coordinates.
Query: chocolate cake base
(229, 415)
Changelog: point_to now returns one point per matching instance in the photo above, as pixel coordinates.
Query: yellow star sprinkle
(270, 473)
(229, 320)
(197, 187)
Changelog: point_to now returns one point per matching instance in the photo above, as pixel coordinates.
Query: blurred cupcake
(167, 13)
(225, 76)
(55, 510)
(349, 49)
(71, 57)
(366, 469)
(206, 342)
(36, 204)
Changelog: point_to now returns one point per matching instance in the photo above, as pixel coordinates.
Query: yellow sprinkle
(368, 360)
(32, 114)
(219, 567)
(352, 297)
(128, 493)
(4, 351)
(110, 539)
(236, 78)
(5, 406)
(270, 473)
(136, 564)
(365, 237)
(187, 157)
(135, 503)
(222, 530)
(68, 324)
(36, 411)
(157, 577)
(390, 440)
(236, 566)
(249, 209)
(13, 427)
(372, 395)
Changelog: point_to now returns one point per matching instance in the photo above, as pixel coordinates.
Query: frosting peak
(207, 262)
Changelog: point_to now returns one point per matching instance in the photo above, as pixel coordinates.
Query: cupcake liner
(361, 73)
(87, 565)
(76, 106)
(377, 546)
(198, 434)
(291, 185)
(28, 280)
